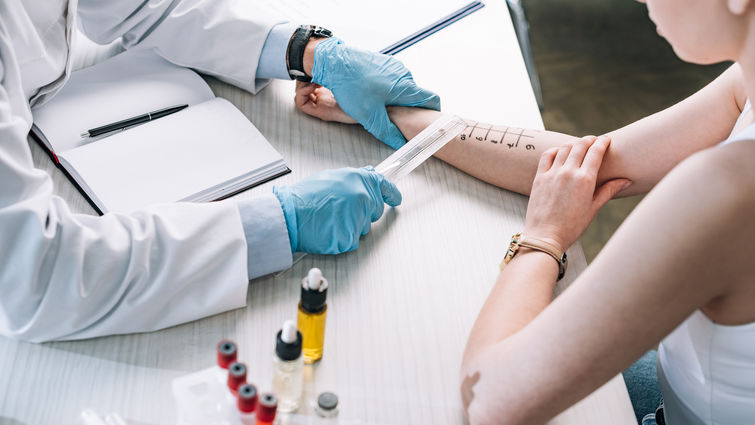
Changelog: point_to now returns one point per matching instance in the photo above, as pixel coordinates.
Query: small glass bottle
(226, 353)
(247, 404)
(266, 409)
(288, 367)
(236, 377)
(327, 406)
(312, 312)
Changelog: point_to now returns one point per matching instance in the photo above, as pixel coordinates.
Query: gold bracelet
(518, 240)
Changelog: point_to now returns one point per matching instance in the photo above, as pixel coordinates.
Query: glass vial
(327, 405)
(226, 353)
(247, 404)
(236, 376)
(288, 367)
(312, 313)
(266, 409)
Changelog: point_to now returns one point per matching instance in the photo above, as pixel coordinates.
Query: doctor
(70, 276)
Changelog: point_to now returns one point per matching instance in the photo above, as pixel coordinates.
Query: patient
(677, 273)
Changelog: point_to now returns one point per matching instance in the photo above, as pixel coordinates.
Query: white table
(400, 307)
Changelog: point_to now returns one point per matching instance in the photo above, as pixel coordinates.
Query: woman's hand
(564, 199)
(316, 100)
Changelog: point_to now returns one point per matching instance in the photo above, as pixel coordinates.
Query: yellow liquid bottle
(311, 317)
(312, 326)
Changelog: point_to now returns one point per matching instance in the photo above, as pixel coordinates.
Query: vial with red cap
(226, 353)
(207, 395)
(246, 403)
(267, 407)
(236, 376)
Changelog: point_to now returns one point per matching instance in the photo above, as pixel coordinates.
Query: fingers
(578, 151)
(365, 228)
(546, 160)
(607, 191)
(390, 192)
(561, 155)
(594, 157)
(382, 128)
(304, 93)
(413, 95)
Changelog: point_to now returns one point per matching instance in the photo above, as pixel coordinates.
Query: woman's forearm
(643, 151)
(503, 156)
(523, 290)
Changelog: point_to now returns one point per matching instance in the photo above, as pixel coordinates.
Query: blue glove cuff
(324, 54)
(289, 213)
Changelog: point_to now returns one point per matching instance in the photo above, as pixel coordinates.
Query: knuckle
(583, 176)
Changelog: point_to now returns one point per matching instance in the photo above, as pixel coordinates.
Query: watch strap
(519, 240)
(296, 47)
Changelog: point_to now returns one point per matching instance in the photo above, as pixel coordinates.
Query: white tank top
(706, 371)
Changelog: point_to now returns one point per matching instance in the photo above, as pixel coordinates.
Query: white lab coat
(70, 276)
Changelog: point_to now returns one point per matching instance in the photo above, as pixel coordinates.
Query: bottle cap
(314, 291)
(288, 342)
(226, 353)
(236, 376)
(247, 398)
(267, 407)
(327, 401)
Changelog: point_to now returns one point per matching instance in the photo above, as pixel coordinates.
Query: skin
(686, 247)
(308, 61)
(643, 151)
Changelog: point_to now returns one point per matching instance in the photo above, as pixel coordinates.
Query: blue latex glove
(329, 211)
(364, 83)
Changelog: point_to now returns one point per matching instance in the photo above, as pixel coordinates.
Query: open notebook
(205, 152)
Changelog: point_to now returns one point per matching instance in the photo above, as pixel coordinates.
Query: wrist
(520, 240)
(309, 55)
(544, 261)
(300, 54)
(547, 235)
(289, 214)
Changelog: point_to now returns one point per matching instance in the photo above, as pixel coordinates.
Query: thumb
(608, 190)
(381, 127)
(390, 192)
(410, 94)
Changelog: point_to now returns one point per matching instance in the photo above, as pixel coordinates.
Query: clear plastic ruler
(413, 154)
(421, 147)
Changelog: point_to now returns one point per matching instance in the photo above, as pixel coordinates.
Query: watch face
(322, 32)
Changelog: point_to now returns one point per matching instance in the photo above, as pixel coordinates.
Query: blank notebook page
(193, 144)
(130, 84)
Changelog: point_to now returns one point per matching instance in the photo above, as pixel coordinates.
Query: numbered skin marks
(509, 137)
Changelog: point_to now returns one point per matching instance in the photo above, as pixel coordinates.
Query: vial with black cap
(287, 367)
(312, 311)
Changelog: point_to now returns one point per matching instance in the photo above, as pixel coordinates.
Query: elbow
(493, 391)
(20, 330)
(20, 318)
(479, 406)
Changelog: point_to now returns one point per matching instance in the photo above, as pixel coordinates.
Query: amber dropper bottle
(311, 317)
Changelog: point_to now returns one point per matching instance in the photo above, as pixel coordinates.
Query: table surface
(400, 307)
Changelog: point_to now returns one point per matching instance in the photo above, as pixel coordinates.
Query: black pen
(140, 119)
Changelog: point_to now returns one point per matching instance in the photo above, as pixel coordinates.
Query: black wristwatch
(295, 51)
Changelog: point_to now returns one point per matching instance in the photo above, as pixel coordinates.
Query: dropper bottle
(288, 367)
(312, 312)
